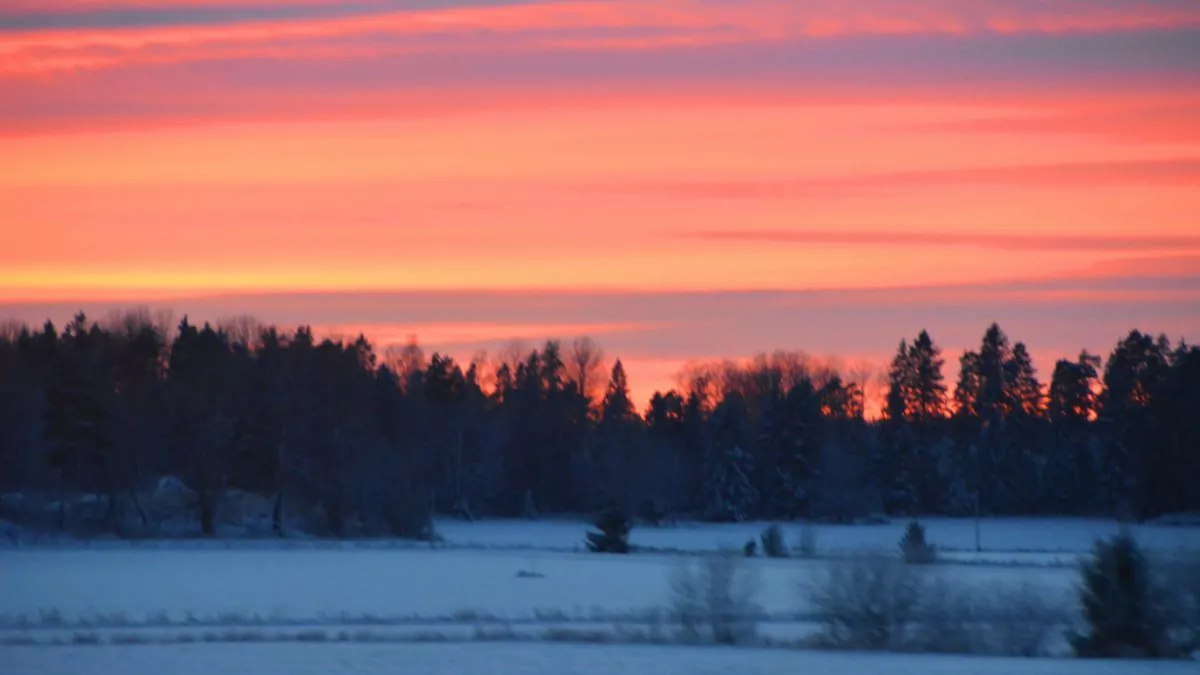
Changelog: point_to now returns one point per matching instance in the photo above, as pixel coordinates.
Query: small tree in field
(916, 550)
(772, 543)
(613, 537)
(1124, 610)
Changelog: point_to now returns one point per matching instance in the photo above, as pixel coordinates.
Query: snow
(524, 571)
(998, 535)
(527, 659)
(311, 583)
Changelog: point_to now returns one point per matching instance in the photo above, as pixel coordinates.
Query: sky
(679, 179)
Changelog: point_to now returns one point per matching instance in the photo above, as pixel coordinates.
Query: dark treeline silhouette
(360, 444)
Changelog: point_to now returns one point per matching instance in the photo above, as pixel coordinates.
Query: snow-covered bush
(772, 542)
(1125, 611)
(712, 600)
(865, 603)
(916, 550)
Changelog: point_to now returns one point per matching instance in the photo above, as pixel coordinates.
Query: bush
(750, 548)
(1124, 610)
(916, 550)
(1003, 622)
(772, 542)
(807, 546)
(1179, 576)
(865, 603)
(613, 537)
(713, 600)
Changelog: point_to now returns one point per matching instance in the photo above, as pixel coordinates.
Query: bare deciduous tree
(585, 367)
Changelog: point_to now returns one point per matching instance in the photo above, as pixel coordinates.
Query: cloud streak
(996, 242)
(609, 25)
(1159, 172)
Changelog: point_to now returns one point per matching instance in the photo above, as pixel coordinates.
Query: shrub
(1124, 610)
(916, 550)
(865, 603)
(772, 542)
(807, 546)
(713, 600)
(1003, 622)
(407, 516)
(613, 537)
(1179, 577)
(750, 548)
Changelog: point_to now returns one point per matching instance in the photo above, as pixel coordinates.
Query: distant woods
(364, 444)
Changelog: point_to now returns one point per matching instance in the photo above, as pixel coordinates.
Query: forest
(369, 444)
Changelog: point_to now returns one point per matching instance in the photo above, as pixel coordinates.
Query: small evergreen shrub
(916, 550)
(750, 548)
(613, 537)
(1125, 612)
(772, 542)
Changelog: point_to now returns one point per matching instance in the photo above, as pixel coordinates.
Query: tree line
(377, 443)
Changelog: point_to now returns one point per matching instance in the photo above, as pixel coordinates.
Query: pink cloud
(1173, 171)
(565, 25)
(1000, 242)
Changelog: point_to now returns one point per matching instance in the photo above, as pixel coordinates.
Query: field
(488, 581)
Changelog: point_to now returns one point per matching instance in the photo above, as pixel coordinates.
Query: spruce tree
(1124, 610)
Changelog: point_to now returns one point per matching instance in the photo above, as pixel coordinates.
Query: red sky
(680, 179)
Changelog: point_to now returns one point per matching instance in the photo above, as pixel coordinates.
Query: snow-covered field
(997, 535)
(313, 583)
(487, 573)
(529, 659)
(477, 571)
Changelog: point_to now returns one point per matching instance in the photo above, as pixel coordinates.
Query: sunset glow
(679, 179)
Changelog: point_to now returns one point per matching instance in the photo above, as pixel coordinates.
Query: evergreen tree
(617, 406)
(1134, 376)
(1123, 608)
(1070, 472)
(731, 495)
(1022, 389)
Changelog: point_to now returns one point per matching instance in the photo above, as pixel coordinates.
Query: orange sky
(882, 166)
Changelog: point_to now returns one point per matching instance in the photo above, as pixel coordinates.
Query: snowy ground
(1047, 537)
(311, 583)
(1001, 540)
(532, 575)
(528, 659)
(478, 570)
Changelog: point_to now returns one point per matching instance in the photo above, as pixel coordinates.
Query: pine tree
(992, 370)
(1134, 377)
(617, 406)
(733, 498)
(1022, 389)
(731, 495)
(1070, 469)
(613, 536)
(968, 389)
